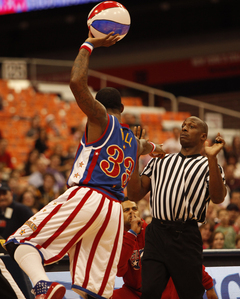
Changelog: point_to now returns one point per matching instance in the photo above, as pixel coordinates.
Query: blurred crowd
(44, 175)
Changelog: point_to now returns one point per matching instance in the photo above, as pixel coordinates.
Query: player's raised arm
(94, 110)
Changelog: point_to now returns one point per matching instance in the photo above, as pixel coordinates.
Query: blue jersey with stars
(108, 162)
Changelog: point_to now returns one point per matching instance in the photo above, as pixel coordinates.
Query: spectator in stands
(17, 182)
(65, 164)
(35, 192)
(58, 149)
(236, 146)
(231, 180)
(69, 159)
(172, 145)
(5, 156)
(70, 156)
(237, 242)
(211, 214)
(235, 197)
(71, 152)
(143, 207)
(41, 143)
(237, 224)
(233, 213)
(30, 164)
(16, 173)
(36, 178)
(54, 168)
(217, 240)
(4, 173)
(51, 127)
(35, 127)
(46, 191)
(227, 229)
(12, 214)
(28, 199)
(206, 230)
(232, 159)
(79, 130)
(14, 185)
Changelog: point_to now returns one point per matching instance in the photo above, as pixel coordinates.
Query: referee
(181, 187)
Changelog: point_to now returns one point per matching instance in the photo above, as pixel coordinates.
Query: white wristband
(88, 46)
(154, 146)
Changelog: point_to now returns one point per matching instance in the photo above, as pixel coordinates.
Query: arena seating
(19, 107)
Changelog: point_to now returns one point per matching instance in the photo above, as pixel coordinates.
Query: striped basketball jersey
(179, 187)
(108, 162)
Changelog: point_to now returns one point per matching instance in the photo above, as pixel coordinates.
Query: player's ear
(122, 108)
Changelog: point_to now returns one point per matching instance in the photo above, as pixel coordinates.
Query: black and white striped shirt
(179, 187)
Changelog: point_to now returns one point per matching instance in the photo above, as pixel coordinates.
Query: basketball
(108, 16)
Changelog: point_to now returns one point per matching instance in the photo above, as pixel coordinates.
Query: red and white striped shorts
(87, 225)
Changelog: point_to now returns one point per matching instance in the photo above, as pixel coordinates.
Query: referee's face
(192, 133)
(129, 210)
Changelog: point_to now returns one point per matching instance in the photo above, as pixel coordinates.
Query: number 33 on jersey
(113, 154)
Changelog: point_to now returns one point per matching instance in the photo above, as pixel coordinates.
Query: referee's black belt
(174, 223)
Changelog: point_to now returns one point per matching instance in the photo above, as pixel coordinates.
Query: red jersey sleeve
(207, 280)
(129, 241)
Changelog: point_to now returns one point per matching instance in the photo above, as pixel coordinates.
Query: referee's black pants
(6, 290)
(172, 249)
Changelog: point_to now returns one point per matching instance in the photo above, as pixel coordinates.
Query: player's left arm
(217, 188)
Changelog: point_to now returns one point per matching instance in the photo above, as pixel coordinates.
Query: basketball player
(85, 222)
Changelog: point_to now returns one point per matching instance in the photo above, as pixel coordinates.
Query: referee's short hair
(110, 98)
(202, 124)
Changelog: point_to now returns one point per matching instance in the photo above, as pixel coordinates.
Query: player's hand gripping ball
(109, 16)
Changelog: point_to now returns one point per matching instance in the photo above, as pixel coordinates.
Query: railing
(152, 92)
(104, 78)
(202, 106)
